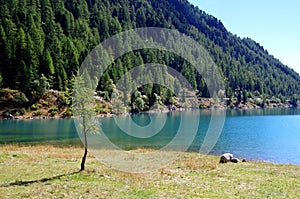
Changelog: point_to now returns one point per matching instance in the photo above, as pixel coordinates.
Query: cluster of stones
(228, 157)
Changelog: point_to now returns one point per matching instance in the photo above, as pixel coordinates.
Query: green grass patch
(50, 172)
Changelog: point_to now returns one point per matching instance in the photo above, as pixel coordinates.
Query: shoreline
(54, 105)
(108, 115)
(143, 150)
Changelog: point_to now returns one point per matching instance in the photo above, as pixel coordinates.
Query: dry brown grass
(194, 161)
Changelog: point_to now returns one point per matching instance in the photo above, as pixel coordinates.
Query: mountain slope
(243, 61)
(53, 38)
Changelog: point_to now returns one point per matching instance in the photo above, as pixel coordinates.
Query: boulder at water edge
(226, 157)
(234, 160)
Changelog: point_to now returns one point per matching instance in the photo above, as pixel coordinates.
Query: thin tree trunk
(83, 159)
(85, 149)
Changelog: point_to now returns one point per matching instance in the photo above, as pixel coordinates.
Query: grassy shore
(52, 172)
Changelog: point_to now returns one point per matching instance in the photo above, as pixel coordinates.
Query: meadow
(45, 171)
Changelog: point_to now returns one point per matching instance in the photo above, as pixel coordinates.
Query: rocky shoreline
(27, 116)
(56, 105)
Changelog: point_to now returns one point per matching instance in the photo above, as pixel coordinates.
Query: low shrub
(35, 107)
(53, 111)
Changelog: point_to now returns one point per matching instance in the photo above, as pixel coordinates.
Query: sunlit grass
(48, 172)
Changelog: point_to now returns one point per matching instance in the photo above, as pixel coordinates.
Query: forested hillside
(44, 42)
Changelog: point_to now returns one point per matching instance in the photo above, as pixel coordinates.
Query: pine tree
(47, 67)
(32, 59)
(23, 78)
(83, 105)
(36, 34)
(71, 56)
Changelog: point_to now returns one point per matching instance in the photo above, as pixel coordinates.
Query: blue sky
(273, 24)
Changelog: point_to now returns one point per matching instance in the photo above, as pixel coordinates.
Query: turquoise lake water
(271, 135)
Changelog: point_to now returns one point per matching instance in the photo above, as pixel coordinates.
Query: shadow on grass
(26, 183)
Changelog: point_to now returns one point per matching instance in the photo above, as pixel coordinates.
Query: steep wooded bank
(44, 42)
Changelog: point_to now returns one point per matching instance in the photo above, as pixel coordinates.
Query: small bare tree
(84, 112)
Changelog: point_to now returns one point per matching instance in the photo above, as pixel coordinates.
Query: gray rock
(226, 157)
(234, 160)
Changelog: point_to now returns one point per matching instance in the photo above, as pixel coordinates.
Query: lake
(271, 135)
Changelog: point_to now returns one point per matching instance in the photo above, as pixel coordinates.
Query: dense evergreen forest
(43, 44)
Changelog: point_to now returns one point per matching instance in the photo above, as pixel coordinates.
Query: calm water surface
(268, 135)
